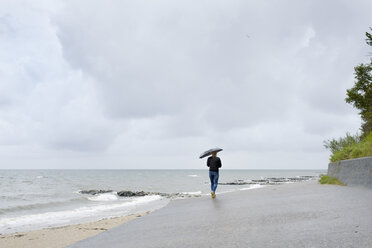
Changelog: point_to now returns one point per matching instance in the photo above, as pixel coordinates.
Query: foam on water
(57, 218)
(112, 196)
(253, 186)
(192, 193)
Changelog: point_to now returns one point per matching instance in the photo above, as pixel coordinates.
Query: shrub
(337, 145)
(330, 180)
(359, 149)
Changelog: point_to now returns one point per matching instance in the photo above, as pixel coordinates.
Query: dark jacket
(214, 163)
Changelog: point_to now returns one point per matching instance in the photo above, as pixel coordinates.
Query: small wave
(192, 193)
(104, 197)
(38, 205)
(193, 175)
(225, 191)
(253, 186)
(66, 216)
(9, 197)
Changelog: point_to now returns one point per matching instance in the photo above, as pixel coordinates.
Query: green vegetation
(330, 180)
(360, 96)
(359, 149)
(337, 145)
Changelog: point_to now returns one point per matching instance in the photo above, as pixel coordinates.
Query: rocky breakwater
(128, 193)
(270, 181)
(95, 191)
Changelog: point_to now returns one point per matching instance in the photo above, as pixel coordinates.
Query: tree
(369, 38)
(360, 96)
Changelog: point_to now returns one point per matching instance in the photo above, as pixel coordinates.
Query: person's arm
(209, 161)
(219, 163)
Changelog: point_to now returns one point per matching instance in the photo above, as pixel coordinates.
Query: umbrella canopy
(209, 152)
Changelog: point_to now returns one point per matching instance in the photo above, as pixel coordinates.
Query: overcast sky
(152, 84)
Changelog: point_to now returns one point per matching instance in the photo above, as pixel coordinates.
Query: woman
(214, 163)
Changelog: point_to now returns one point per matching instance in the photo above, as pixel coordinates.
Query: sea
(36, 199)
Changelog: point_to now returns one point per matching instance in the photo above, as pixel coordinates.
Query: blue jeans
(213, 176)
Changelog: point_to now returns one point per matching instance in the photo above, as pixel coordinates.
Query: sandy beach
(58, 237)
(304, 214)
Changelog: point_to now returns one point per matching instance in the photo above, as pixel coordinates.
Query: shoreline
(62, 236)
(57, 237)
(304, 214)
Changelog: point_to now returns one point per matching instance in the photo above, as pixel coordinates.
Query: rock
(94, 191)
(238, 182)
(126, 193)
(270, 181)
(141, 193)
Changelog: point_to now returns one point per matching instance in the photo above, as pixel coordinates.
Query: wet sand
(58, 237)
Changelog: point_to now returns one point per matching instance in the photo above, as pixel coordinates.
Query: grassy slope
(330, 180)
(357, 150)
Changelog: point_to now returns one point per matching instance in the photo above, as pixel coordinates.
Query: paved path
(293, 215)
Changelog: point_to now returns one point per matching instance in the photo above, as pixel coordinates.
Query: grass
(355, 150)
(330, 180)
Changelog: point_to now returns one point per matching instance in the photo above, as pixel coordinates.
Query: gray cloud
(118, 78)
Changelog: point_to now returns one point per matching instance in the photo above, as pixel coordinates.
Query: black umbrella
(209, 152)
